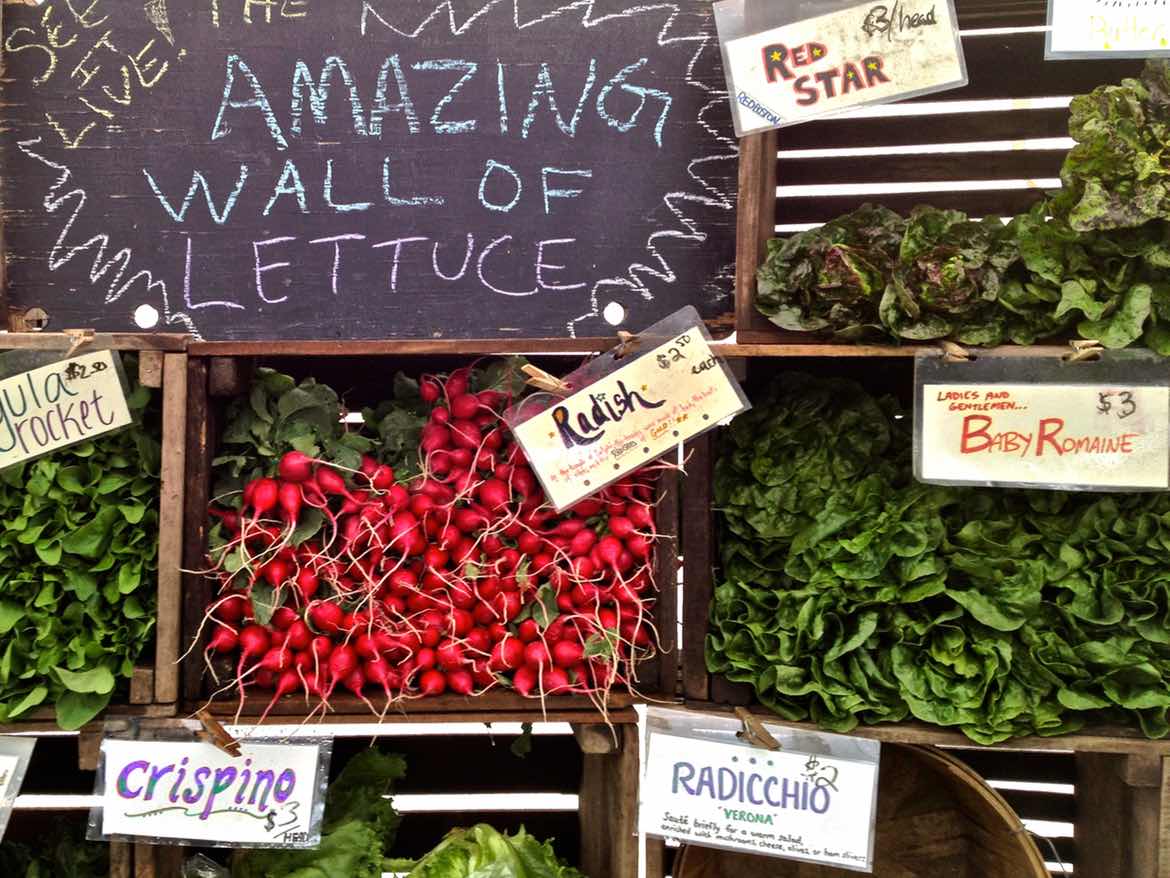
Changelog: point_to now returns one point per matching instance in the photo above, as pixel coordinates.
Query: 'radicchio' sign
(191, 791)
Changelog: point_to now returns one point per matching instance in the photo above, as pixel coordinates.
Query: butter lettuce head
(484, 852)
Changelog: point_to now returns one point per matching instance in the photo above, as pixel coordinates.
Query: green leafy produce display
(78, 562)
(65, 855)
(1093, 259)
(483, 852)
(850, 593)
(359, 828)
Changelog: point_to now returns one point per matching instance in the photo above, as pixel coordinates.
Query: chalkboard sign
(248, 169)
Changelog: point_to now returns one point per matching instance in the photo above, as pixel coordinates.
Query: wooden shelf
(1097, 739)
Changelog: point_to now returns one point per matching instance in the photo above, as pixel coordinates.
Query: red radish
(283, 617)
(609, 550)
(307, 584)
(620, 526)
(366, 647)
(326, 616)
(640, 516)
(429, 390)
(342, 662)
(320, 647)
(524, 680)
(529, 630)
(223, 640)
(479, 640)
(295, 467)
(290, 498)
(582, 542)
(461, 622)
(230, 519)
(493, 399)
(275, 572)
(493, 494)
(441, 415)
(381, 674)
(536, 654)
(355, 682)
(555, 681)
(507, 655)
(460, 681)
(425, 658)
(639, 546)
(465, 406)
(231, 608)
(277, 660)
(382, 479)
(434, 438)
(285, 684)
(566, 653)
(450, 655)
(264, 494)
(457, 383)
(432, 682)
(298, 637)
(465, 434)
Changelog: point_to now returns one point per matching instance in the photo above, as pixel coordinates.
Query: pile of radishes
(460, 580)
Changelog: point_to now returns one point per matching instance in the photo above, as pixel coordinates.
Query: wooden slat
(1015, 766)
(142, 686)
(496, 702)
(362, 347)
(957, 127)
(1041, 806)
(755, 219)
(925, 168)
(1164, 822)
(1098, 739)
(171, 530)
(121, 860)
(1001, 13)
(660, 674)
(150, 369)
(609, 811)
(144, 861)
(1003, 202)
(118, 341)
(198, 470)
(698, 548)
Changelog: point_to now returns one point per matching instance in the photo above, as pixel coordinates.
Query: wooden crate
(597, 764)
(212, 380)
(162, 365)
(989, 149)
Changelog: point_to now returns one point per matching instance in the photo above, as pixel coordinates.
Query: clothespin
(1083, 350)
(753, 731)
(627, 344)
(542, 380)
(954, 353)
(216, 735)
(80, 338)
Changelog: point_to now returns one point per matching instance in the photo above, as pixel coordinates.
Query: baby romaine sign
(192, 791)
(1102, 427)
(806, 801)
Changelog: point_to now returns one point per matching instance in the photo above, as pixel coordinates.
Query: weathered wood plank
(171, 529)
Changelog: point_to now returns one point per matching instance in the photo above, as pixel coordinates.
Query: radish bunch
(459, 580)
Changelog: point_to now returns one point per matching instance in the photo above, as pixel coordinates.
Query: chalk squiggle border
(709, 194)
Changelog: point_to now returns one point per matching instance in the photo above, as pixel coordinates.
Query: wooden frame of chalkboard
(212, 381)
(162, 365)
(394, 169)
(991, 148)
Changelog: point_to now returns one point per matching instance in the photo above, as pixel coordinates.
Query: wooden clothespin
(80, 338)
(1083, 350)
(953, 353)
(542, 380)
(627, 344)
(753, 731)
(216, 735)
